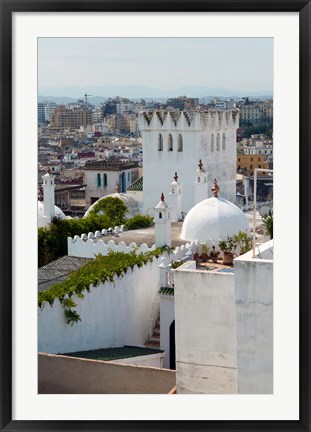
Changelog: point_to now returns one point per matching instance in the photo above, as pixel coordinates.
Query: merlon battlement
(220, 119)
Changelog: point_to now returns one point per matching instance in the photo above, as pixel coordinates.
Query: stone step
(153, 339)
(156, 332)
(155, 345)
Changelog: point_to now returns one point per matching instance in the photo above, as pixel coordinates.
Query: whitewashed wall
(151, 360)
(112, 315)
(254, 317)
(87, 248)
(205, 332)
(84, 246)
(161, 165)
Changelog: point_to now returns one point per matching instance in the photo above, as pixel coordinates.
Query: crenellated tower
(175, 141)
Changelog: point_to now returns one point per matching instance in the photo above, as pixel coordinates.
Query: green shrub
(138, 221)
(176, 264)
(52, 240)
(113, 208)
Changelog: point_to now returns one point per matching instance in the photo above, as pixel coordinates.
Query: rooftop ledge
(263, 253)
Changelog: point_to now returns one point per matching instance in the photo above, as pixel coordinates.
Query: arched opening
(180, 145)
(218, 142)
(98, 180)
(172, 346)
(160, 142)
(105, 180)
(170, 143)
(160, 215)
(212, 142)
(224, 141)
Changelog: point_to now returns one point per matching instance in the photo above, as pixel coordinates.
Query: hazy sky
(162, 63)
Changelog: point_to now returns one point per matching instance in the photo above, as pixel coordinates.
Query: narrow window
(224, 141)
(218, 142)
(160, 215)
(105, 180)
(180, 146)
(170, 143)
(98, 180)
(160, 143)
(212, 142)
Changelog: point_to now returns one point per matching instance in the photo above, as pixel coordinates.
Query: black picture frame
(8, 7)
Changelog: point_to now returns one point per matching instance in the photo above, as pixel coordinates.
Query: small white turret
(175, 199)
(200, 184)
(49, 195)
(162, 220)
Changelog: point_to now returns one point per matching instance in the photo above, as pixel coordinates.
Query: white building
(216, 324)
(104, 177)
(175, 141)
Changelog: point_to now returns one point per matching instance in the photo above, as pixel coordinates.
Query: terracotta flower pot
(228, 258)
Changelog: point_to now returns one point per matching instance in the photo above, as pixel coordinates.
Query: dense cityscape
(75, 134)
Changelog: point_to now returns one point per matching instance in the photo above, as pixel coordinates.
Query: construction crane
(86, 95)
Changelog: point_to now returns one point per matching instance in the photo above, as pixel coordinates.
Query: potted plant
(244, 242)
(204, 255)
(214, 255)
(196, 256)
(228, 248)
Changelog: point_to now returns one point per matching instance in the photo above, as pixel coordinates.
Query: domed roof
(212, 220)
(129, 201)
(42, 221)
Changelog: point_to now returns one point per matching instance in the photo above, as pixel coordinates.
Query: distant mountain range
(138, 92)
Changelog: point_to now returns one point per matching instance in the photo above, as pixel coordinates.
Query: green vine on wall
(98, 271)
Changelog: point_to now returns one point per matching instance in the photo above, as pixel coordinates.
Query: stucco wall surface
(113, 314)
(254, 317)
(205, 332)
(61, 374)
(88, 248)
(153, 360)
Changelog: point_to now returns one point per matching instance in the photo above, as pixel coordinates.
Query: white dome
(43, 221)
(212, 220)
(129, 201)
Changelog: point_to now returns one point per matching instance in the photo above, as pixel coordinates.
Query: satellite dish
(264, 210)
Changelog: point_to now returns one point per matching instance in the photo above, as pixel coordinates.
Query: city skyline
(163, 67)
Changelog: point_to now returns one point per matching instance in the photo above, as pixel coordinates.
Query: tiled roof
(107, 354)
(59, 270)
(166, 291)
(137, 185)
(109, 165)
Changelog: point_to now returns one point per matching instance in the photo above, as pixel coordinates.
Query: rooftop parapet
(210, 119)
